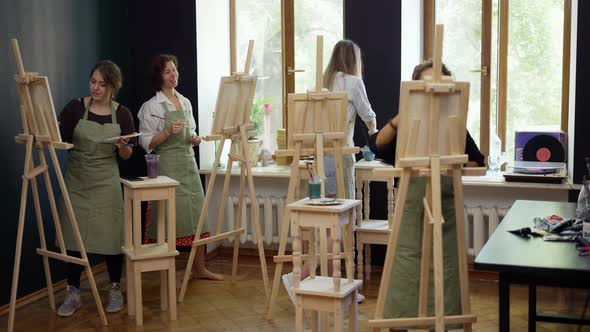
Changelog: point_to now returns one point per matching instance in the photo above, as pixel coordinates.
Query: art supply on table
(315, 187)
(368, 155)
(324, 201)
(153, 165)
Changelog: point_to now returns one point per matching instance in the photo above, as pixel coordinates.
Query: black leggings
(114, 267)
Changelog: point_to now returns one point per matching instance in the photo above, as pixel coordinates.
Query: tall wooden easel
(232, 121)
(431, 142)
(316, 119)
(40, 130)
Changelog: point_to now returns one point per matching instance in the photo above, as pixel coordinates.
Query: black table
(532, 261)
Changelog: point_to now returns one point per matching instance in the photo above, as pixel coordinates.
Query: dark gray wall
(582, 102)
(61, 39)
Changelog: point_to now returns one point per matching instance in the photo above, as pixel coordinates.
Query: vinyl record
(543, 148)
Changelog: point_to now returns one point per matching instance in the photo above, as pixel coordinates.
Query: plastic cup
(315, 187)
(153, 165)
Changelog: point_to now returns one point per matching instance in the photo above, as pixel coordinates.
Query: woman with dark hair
(402, 297)
(92, 179)
(168, 128)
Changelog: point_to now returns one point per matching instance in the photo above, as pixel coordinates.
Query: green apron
(177, 161)
(402, 298)
(92, 179)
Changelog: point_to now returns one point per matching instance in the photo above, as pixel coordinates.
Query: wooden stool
(152, 257)
(327, 294)
(370, 231)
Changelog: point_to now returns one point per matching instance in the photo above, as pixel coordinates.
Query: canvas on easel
(232, 122)
(40, 130)
(430, 143)
(316, 126)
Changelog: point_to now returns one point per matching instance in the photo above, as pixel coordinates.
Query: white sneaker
(360, 298)
(288, 283)
(71, 303)
(115, 298)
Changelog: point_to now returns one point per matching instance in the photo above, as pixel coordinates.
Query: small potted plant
(257, 119)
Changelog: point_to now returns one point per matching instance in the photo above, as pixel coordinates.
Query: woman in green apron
(168, 128)
(92, 179)
(343, 74)
(402, 297)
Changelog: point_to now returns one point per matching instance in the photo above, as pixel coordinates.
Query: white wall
(412, 37)
(213, 61)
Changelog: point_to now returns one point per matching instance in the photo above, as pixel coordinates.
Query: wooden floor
(224, 306)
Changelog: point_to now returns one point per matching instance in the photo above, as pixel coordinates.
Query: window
(516, 56)
(284, 50)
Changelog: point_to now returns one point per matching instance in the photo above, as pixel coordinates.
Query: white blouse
(358, 102)
(149, 125)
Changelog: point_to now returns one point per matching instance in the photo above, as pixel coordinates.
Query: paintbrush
(309, 170)
(166, 120)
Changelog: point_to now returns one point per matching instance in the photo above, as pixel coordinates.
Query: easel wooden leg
(234, 270)
(226, 182)
(255, 212)
(426, 254)
(210, 185)
(285, 223)
(392, 243)
(52, 204)
(42, 240)
(461, 246)
(438, 247)
(19, 238)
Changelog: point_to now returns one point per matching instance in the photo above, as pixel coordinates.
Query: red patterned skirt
(186, 241)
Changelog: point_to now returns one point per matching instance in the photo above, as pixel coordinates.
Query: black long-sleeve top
(387, 151)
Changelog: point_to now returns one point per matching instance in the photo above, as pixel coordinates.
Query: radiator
(270, 214)
(480, 221)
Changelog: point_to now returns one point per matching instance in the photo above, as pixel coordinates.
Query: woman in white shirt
(168, 128)
(344, 74)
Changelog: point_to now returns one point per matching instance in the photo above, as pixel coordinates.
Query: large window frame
(486, 47)
(287, 46)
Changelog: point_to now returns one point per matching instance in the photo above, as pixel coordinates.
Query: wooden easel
(232, 121)
(316, 118)
(431, 141)
(40, 130)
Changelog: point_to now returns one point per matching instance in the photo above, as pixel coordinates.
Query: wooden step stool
(151, 257)
(325, 294)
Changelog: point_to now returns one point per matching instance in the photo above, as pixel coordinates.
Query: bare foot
(206, 274)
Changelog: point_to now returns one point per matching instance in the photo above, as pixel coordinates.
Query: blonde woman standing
(343, 74)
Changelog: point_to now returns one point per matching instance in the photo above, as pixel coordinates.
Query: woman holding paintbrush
(168, 128)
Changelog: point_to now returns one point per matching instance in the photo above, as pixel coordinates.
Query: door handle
(483, 70)
(290, 71)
